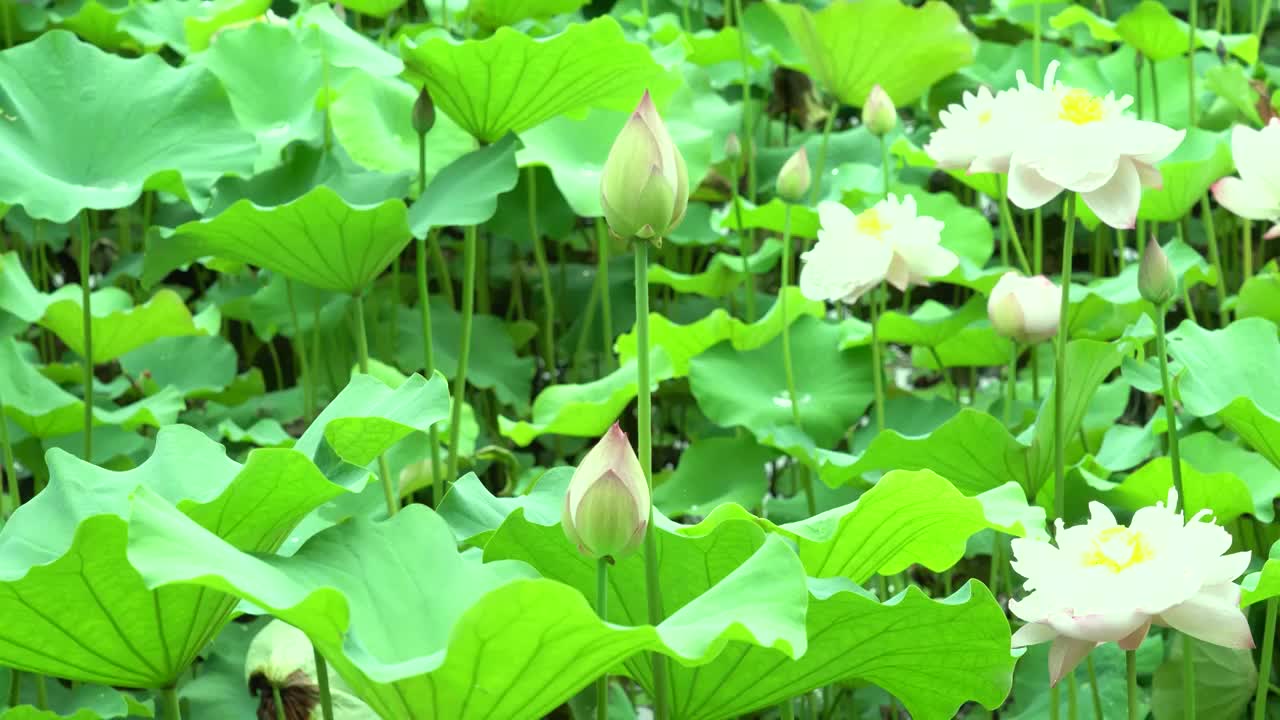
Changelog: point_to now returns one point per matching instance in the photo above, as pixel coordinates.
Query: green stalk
(464, 352)
(169, 701)
(946, 377)
(1055, 693)
(15, 687)
(1155, 103)
(544, 274)
(1171, 414)
(1073, 698)
(428, 364)
(322, 679)
(8, 28)
(877, 364)
(1264, 662)
(1006, 222)
(300, 347)
(1246, 249)
(1191, 64)
(602, 609)
(748, 139)
(820, 167)
(602, 272)
(1035, 42)
(277, 701)
(443, 278)
(1206, 216)
(744, 243)
(1037, 239)
(1188, 678)
(787, 709)
(1094, 691)
(42, 693)
(10, 467)
(1060, 367)
(644, 421)
(86, 247)
(792, 395)
(1263, 19)
(1131, 672)
(390, 487)
(1011, 385)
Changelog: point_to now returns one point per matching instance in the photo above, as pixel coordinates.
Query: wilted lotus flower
(1256, 193)
(1106, 582)
(606, 510)
(1156, 283)
(878, 114)
(1024, 309)
(281, 657)
(645, 188)
(1086, 144)
(855, 253)
(795, 177)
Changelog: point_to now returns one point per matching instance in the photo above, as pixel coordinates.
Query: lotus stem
(464, 352)
(1131, 672)
(1215, 258)
(877, 363)
(1191, 61)
(602, 608)
(389, 484)
(745, 242)
(820, 168)
(1011, 385)
(1094, 691)
(1188, 678)
(792, 395)
(1171, 414)
(1264, 661)
(602, 272)
(544, 275)
(299, 345)
(428, 365)
(1060, 367)
(15, 687)
(277, 701)
(86, 248)
(644, 437)
(169, 701)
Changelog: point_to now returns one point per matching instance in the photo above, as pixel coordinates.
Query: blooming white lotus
(1086, 144)
(1256, 193)
(855, 253)
(979, 133)
(1024, 309)
(1105, 582)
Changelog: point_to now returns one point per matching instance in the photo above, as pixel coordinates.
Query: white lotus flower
(1025, 309)
(855, 253)
(1086, 144)
(1256, 193)
(979, 133)
(1106, 582)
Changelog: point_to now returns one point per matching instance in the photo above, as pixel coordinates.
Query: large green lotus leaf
(317, 239)
(474, 514)
(930, 324)
(1105, 307)
(722, 275)
(588, 409)
(1259, 296)
(715, 471)
(302, 169)
(197, 365)
(1202, 159)
(83, 702)
(273, 81)
(1224, 494)
(848, 49)
(17, 295)
(372, 119)
(530, 81)
(1264, 584)
(74, 605)
(469, 652)
(86, 148)
(771, 216)
(117, 328)
(850, 635)
(749, 388)
(497, 13)
(1228, 372)
(342, 47)
(155, 25)
(97, 23)
(1147, 25)
(466, 191)
(1230, 81)
(1213, 455)
(1225, 679)
(685, 342)
(43, 409)
(494, 362)
(200, 29)
(1153, 30)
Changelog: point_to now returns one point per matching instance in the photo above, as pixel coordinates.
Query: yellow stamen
(984, 117)
(869, 222)
(1118, 548)
(1079, 107)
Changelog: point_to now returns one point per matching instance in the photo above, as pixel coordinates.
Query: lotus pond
(674, 359)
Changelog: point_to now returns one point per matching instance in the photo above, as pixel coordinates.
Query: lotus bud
(280, 664)
(879, 114)
(1024, 309)
(424, 112)
(1156, 282)
(606, 510)
(794, 177)
(645, 187)
(732, 147)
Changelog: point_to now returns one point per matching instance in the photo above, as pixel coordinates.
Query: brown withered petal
(298, 694)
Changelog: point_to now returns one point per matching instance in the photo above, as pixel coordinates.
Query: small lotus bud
(794, 177)
(1024, 309)
(732, 147)
(606, 510)
(1156, 282)
(424, 112)
(644, 188)
(879, 114)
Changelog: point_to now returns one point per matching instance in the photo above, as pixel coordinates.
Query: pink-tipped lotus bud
(606, 510)
(794, 177)
(1024, 309)
(1156, 282)
(645, 187)
(424, 112)
(879, 114)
